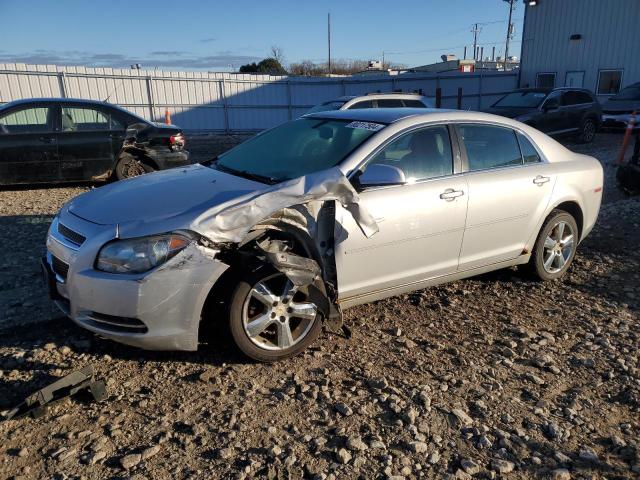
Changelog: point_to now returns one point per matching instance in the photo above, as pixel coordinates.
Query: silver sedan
(275, 237)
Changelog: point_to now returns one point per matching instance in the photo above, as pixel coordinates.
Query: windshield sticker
(374, 127)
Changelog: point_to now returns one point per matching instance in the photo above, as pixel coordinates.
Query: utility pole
(475, 32)
(509, 32)
(383, 59)
(329, 41)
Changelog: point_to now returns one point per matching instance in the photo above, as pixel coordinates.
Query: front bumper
(157, 310)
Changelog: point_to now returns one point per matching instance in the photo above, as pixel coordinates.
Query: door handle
(450, 194)
(541, 180)
(46, 139)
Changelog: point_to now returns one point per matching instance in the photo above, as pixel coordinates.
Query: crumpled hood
(218, 206)
(161, 195)
(509, 112)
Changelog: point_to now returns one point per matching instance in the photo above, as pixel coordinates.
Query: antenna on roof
(114, 90)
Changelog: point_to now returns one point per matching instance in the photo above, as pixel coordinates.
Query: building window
(609, 82)
(546, 80)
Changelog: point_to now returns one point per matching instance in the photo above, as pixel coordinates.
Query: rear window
(521, 99)
(365, 104)
(326, 106)
(490, 147)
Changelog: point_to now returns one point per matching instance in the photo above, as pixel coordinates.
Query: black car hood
(509, 112)
(621, 106)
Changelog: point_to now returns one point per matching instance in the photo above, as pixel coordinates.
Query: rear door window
(414, 104)
(84, 120)
(27, 120)
(390, 103)
(489, 146)
(576, 97)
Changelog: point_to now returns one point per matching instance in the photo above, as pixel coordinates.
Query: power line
(441, 49)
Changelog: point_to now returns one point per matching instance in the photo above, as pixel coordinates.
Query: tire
(588, 131)
(129, 166)
(553, 241)
(273, 312)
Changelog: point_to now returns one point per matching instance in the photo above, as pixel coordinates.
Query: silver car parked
(275, 237)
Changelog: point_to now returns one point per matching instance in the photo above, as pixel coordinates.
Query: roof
(346, 98)
(377, 115)
(56, 99)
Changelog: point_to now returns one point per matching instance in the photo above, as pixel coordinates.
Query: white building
(593, 44)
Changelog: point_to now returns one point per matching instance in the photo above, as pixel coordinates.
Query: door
(552, 119)
(85, 142)
(509, 189)
(28, 148)
(421, 222)
(574, 79)
(576, 103)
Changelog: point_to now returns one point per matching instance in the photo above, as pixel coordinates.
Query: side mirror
(550, 105)
(378, 174)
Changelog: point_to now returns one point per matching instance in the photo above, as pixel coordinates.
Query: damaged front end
(291, 227)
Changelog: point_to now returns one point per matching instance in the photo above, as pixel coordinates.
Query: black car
(559, 111)
(617, 111)
(69, 140)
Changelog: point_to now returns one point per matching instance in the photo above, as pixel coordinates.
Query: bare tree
(277, 53)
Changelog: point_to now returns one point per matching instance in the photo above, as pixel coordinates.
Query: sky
(222, 35)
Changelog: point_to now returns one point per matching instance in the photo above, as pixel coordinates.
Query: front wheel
(555, 246)
(270, 319)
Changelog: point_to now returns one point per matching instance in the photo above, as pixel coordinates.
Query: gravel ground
(495, 376)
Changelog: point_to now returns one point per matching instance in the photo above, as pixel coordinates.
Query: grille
(70, 235)
(59, 267)
(114, 324)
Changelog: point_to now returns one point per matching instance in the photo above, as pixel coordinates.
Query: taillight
(177, 141)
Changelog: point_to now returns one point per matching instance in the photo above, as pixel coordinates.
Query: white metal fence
(227, 102)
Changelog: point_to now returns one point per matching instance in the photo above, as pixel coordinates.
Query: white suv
(374, 100)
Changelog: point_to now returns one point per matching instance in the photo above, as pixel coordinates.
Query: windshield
(296, 148)
(323, 107)
(629, 93)
(521, 100)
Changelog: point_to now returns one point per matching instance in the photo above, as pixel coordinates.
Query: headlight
(139, 255)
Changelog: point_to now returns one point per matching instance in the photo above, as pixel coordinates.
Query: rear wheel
(588, 131)
(129, 166)
(555, 246)
(270, 319)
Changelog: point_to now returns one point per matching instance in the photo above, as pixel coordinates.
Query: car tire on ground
(270, 319)
(129, 166)
(588, 131)
(555, 246)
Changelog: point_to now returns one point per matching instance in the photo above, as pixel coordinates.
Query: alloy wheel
(588, 131)
(276, 314)
(558, 247)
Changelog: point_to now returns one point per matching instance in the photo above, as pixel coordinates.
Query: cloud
(208, 40)
(161, 59)
(169, 53)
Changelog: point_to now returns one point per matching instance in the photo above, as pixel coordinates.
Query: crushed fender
(301, 271)
(233, 220)
(36, 404)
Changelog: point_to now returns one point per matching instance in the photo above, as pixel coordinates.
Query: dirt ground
(492, 377)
